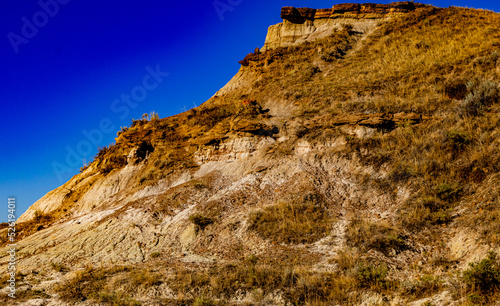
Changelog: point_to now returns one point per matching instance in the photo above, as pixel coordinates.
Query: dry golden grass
(113, 285)
(44, 220)
(25, 295)
(347, 261)
(435, 62)
(216, 284)
(440, 63)
(299, 285)
(288, 222)
(404, 66)
(443, 64)
(380, 237)
(25, 229)
(484, 215)
(424, 286)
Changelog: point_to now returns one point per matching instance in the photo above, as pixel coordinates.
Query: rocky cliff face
(358, 166)
(348, 10)
(305, 24)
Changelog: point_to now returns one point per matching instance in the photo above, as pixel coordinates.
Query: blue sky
(67, 65)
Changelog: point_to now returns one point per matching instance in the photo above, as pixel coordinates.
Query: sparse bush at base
(484, 276)
(291, 222)
(482, 95)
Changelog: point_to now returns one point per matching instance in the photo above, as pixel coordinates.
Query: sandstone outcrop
(383, 121)
(350, 10)
(267, 57)
(297, 15)
(306, 24)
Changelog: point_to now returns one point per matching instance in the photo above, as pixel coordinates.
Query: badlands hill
(354, 159)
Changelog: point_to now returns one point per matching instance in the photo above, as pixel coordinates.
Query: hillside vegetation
(361, 167)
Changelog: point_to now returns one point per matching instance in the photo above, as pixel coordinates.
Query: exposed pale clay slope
(287, 33)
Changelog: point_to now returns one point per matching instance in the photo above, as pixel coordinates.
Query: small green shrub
(372, 276)
(448, 192)
(199, 185)
(484, 276)
(155, 254)
(476, 299)
(200, 221)
(482, 95)
(440, 217)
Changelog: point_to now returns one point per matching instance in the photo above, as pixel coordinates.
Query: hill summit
(353, 159)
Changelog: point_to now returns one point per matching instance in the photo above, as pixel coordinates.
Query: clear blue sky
(63, 65)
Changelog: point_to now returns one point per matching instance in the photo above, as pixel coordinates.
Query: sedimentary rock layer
(347, 10)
